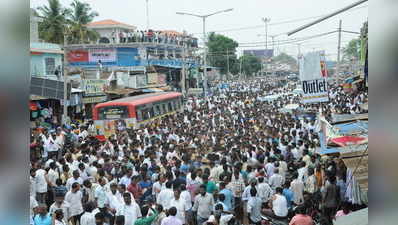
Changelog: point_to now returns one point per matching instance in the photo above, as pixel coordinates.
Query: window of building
(158, 110)
(50, 66)
(164, 108)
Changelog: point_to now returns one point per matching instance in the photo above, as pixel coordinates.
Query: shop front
(89, 102)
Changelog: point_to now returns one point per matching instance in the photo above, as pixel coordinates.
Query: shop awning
(123, 91)
(148, 90)
(76, 90)
(37, 97)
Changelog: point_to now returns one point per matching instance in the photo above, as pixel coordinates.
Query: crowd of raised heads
(227, 159)
(154, 37)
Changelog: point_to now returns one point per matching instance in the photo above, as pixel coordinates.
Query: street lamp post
(147, 15)
(203, 17)
(266, 20)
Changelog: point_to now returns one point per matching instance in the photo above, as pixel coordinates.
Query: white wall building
(108, 29)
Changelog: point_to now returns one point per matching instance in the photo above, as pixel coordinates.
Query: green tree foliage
(250, 64)
(218, 46)
(284, 58)
(59, 20)
(54, 16)
(81, 15)
(352, 50)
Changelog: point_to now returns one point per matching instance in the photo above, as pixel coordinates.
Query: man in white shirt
(297, 186)
(60, 203)
(181, 206)
(115, 199)
(41, 183)
(166, 196)
(74, 199)
(278, 205)
(303, 172)
(126, 179)
(52, 174)
(186, 195)
(269, 167)
(52, 146)
(264, 190)
(101, 196)
(246, 193)
(254, 207)
(130, 210)
(203, 205)
(172, 219)
(76, 178)
(158, 186)
(276, 180)
(88, 217)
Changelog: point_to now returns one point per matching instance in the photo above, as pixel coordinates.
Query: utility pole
(266, 20)
(183, 79)
(147, 15)
(65, 108)
(273, 43)
(273, 50)
(205, 58)
(227, 64)
(240, 68)
(203, 17)
(298, 56)
(338, 53)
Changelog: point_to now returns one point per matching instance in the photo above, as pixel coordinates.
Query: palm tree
(54, 16)
(81, 15)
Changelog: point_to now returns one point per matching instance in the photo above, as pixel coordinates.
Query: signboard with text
(77, 56)
(315, 91)
(103, 54)
(95, 99)
(141, 80)
(93, 87)
(152, 78)
(313, 77)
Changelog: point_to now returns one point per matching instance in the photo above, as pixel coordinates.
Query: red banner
(78, 56)
(348, 140)
(324, 71)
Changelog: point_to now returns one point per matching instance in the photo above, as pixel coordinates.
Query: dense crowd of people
(153, 36)
(227, 159)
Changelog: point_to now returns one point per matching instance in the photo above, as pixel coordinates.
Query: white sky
(246, 13)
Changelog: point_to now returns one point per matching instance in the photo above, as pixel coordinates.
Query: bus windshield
(113, 112)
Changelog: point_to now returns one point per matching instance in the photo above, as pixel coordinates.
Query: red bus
(134, 111)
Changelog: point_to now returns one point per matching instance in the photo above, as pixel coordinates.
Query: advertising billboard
(93, 87)
(313, 77)
(103, 54)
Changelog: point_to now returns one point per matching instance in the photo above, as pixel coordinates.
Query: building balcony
(168, 45)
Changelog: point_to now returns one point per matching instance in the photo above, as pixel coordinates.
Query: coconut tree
(54, 16)
(81, 14)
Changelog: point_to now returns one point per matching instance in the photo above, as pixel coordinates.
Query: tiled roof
(108, 23)
(172, 32)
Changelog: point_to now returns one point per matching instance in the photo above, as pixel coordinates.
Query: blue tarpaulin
(344, 129)
(349, 128)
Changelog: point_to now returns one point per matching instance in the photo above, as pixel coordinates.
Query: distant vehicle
(133, 112)
(293, 77)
